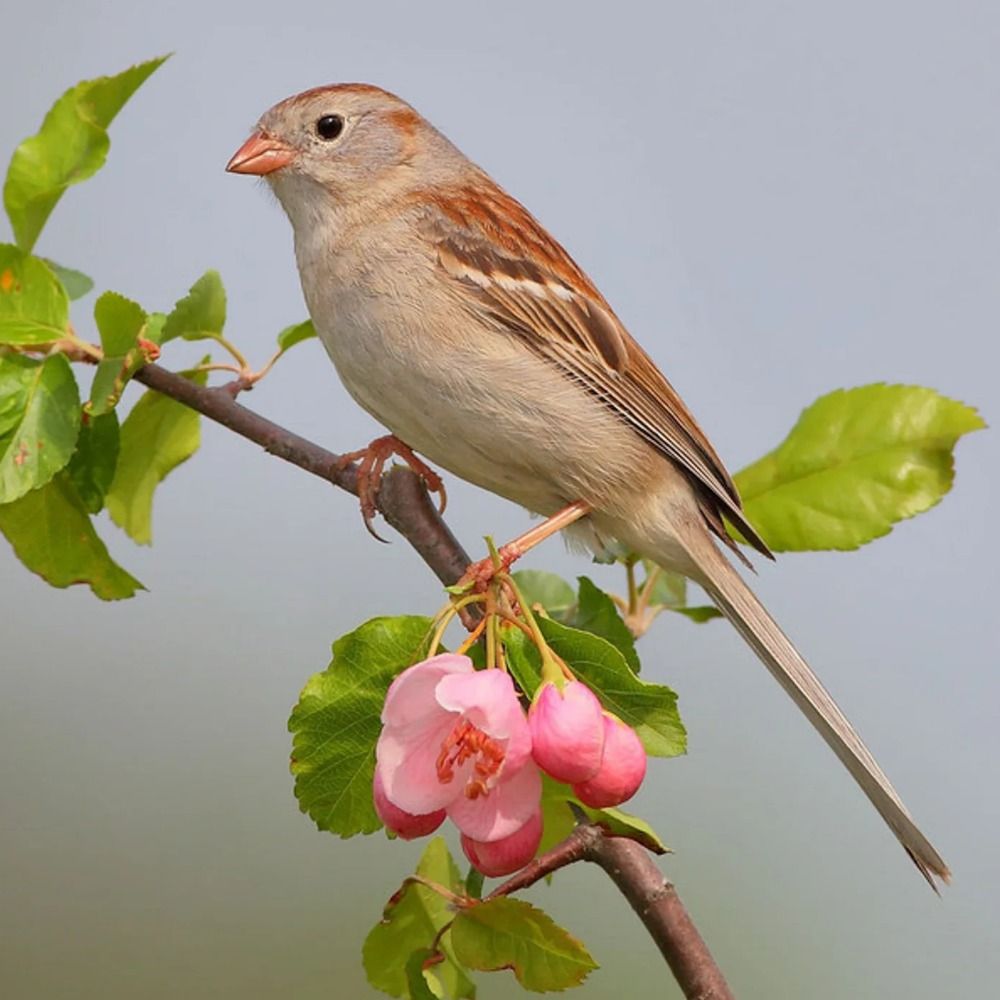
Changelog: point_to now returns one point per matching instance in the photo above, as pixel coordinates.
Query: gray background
(779, 199)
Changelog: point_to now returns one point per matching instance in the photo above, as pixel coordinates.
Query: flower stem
(648, 584)
(237, 354)
(553, 669)
(491, 640)
(473, 636)
(445, 615)
(494, 552)
(462, 902)
(633, 592)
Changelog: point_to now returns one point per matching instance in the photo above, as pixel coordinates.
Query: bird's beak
(261, 154)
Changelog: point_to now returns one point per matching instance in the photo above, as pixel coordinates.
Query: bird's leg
(481, 573)
(372, 462)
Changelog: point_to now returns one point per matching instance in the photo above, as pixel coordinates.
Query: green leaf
(523, 660)
(595, 612)
(107, 385)
(76, 283)
(507, 933)
(293, 335)
(157, 436)
(550, 591)
(155, 322)
(201, 313)
(337, 721)
(623, 824)
(92, 466)
(559, 821)
(650, 709)
(39, 422)
(699, 613)
(474, 883)
(669, 589)
(856, 462)
(411, 921)
(669, 592)
(416, 975)
(53, 536)
(34, 307)
(71, 146)
(119, 321)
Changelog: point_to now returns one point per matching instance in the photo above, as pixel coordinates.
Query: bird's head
(351, 141)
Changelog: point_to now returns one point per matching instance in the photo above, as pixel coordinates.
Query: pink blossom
(567, 731)
(622, 769)
(456, 739)
(502, 857)
(401, 823)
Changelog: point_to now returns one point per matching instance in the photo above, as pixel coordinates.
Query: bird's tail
(738, 603)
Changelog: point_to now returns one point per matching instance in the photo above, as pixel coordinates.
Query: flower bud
(503, 857)
(402, 823)
(621, 771)
(567, 731)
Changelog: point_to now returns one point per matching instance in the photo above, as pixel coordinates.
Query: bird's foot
(481, 574)
(372, 463)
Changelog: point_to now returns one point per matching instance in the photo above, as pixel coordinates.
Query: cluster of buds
(457, 743)
(576, 741)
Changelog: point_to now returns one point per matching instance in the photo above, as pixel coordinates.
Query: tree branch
(653, 898)
(658, 906)
(402, 499)
(406, 505)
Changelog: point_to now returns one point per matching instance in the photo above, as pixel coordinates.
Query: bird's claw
(372, 463)
(433, 482)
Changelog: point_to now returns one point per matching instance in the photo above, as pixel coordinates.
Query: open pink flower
(455, 738)
(567, 731)
(622, 769)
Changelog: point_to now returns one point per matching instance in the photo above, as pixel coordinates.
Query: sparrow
(462, 326)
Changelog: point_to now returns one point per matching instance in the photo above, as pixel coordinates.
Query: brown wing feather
(529, 283)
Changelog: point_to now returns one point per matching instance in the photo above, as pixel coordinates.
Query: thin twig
(406, 505)
(574, 848)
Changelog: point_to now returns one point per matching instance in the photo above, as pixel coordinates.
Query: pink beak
(260, 154)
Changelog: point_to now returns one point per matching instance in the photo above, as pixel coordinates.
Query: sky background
(778, 199)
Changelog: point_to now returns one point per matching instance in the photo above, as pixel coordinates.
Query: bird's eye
(329, 127)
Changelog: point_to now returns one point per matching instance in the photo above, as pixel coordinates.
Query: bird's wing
(525, 281)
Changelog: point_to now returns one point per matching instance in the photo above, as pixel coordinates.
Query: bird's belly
(488, 411)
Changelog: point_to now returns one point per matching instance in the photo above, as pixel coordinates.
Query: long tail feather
(738, 603)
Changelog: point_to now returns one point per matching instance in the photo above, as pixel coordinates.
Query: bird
(456, 320)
